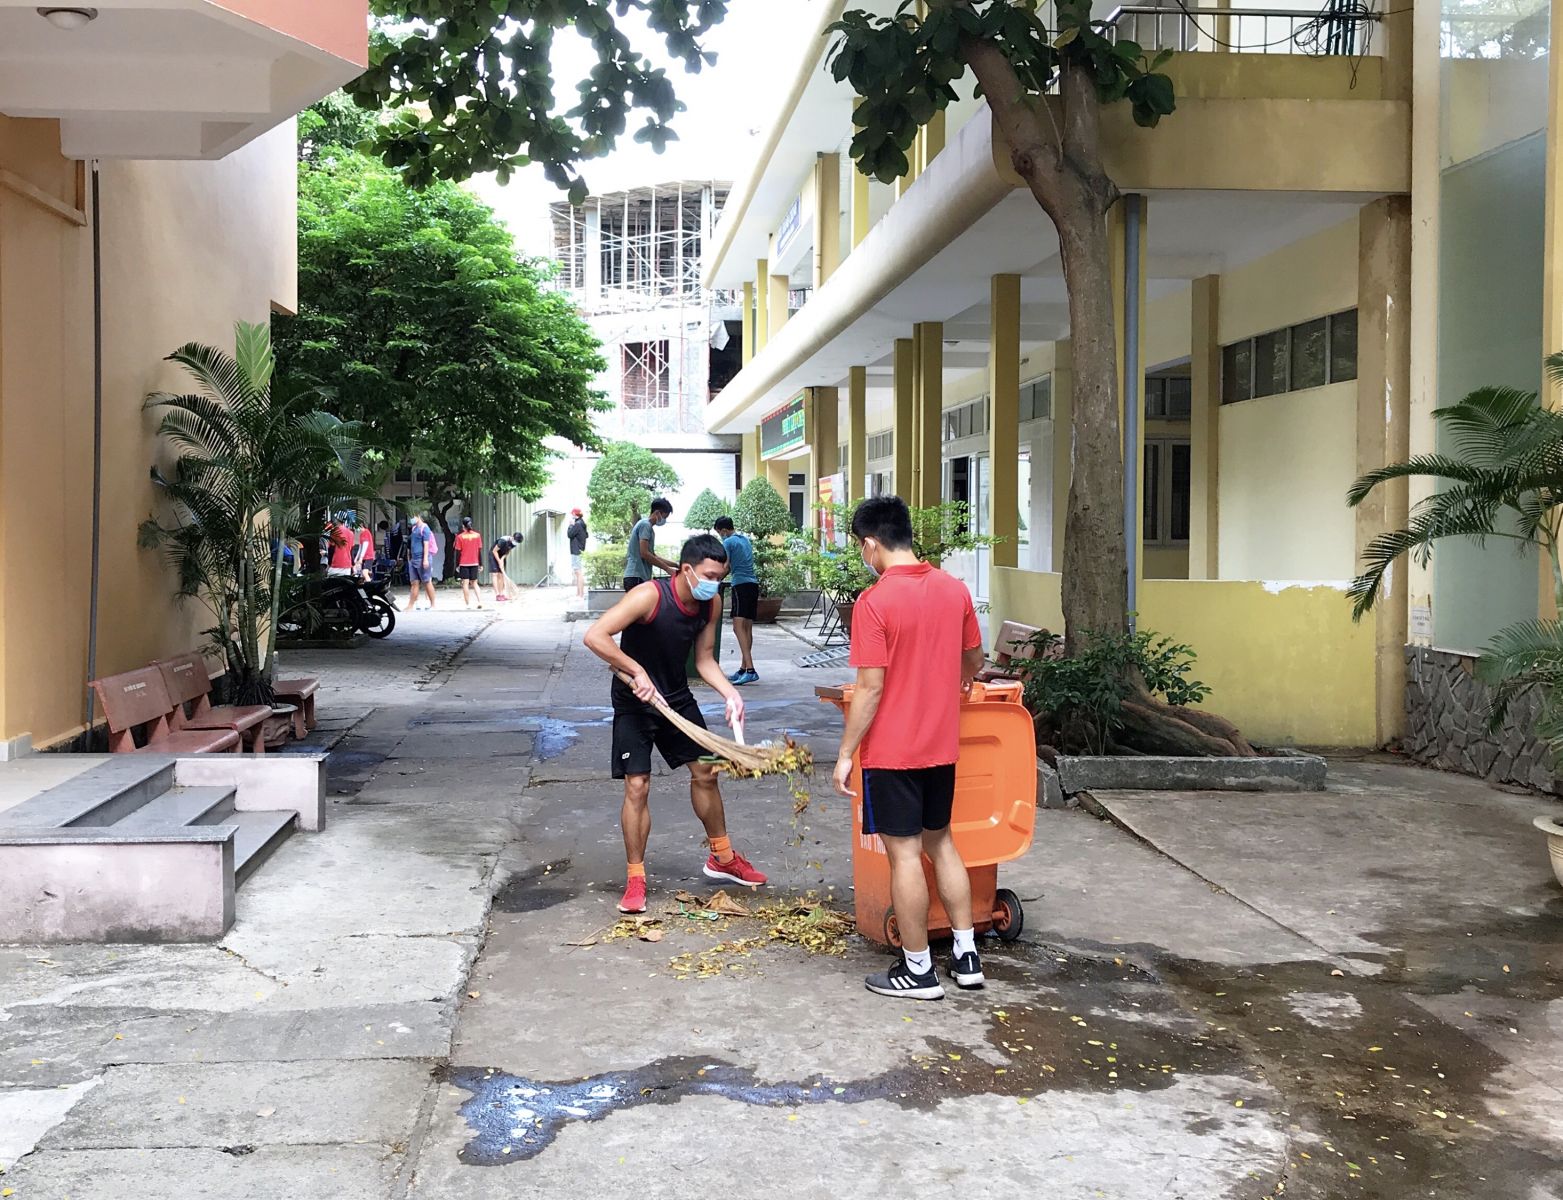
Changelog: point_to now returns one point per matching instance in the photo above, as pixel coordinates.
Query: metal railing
(1339, 28)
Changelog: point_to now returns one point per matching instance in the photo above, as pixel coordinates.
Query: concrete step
(103, 795)
(182, 806)
(259, 835)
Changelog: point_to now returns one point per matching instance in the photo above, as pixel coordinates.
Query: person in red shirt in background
(364, 553)
(916, 647)
(342, 545)
(469, 557)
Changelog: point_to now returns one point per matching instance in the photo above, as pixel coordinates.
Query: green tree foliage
(472, 88)
(255, 454)
(334, 125)
(417, 314)
(1504, 481)
(760, 511)
(622, 486)
(708, 506)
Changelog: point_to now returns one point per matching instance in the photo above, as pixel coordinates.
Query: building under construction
(631, 260)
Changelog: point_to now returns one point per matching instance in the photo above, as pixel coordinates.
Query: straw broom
(786, 757)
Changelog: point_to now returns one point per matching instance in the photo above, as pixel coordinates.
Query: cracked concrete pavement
(1314, 1005)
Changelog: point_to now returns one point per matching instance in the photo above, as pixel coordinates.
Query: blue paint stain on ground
(515, 1119)
(554, 737)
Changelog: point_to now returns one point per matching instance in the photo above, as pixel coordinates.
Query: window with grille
(645, 374)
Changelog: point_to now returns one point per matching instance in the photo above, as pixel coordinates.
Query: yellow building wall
(188, 249)
(1306, 279)
(1286, 663)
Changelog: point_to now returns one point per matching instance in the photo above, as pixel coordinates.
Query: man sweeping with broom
(657, 624)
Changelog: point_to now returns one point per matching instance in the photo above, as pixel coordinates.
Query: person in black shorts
(657, 625)
(498, 552)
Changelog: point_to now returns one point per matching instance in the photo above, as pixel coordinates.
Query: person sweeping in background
(657, 624)
(917, 647)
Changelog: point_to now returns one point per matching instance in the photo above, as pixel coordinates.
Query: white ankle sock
(965, 941)
(919, 962)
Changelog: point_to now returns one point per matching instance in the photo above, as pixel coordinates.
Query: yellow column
(1205, 429)
(859, 206)
(827, 217)
(933, 138)
(777, 307)
(748, 334)
(1384, 427)
(1063, 443)
(1118, 234)
(857, 433)
(777, 471)
(824, 431)
(904, 382)
(930, 417)
(1004, 417)
(750, 463)
(762, 293)
(1552, 268)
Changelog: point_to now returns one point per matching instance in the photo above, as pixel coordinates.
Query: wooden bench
(300, 693)
(1013, 644)
(187, 682)
(140, 698)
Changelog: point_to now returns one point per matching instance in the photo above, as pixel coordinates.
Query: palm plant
(1505, 480)
(256, 455)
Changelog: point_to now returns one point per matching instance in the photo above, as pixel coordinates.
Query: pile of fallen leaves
(807, 922)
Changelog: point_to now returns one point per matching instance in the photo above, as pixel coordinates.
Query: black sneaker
(900, 981)
(966, 970)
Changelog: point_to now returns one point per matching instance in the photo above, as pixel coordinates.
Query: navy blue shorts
(419, 574)
(907, 803)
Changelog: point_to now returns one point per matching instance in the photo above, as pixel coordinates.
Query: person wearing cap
(469, 559)
(497, 553)
(577, 533)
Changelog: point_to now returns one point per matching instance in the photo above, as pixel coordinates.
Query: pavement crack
(262, 972)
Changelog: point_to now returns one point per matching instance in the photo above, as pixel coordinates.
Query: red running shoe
(737, 869)
(634, 900)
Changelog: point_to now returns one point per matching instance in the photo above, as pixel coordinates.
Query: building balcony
(174, 79)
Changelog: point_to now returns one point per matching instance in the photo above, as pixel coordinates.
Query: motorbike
(337, 606)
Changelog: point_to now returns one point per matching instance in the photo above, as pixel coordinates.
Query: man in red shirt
(469, 557)
(916, 647)
(363, 553)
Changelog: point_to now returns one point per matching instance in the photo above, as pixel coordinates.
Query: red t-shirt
(341, 548)
(366, 540)
(469, 548)
(915, 622)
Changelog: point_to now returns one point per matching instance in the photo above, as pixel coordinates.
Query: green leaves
(473, 81)
(622, 486)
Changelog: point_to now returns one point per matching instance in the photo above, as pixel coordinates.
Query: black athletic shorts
(636, 730)
(631, 583)
(905, 803)
(746, 600)
(467, 573)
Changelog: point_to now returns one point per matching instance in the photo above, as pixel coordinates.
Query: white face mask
(872, 569)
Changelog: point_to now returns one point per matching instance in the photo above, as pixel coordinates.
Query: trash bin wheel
(1008, 917)
(892, 929)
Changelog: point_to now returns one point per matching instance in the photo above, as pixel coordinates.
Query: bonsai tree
(622, 485)
(1505, 480)
(255, 456)
(703, 513)
(761, 513)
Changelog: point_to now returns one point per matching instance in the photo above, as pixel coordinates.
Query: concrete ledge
(264, 782)
(1287, 771)
(89, 885)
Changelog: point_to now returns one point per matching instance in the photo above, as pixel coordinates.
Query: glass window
(1150, 487)
(1180, 397)
(1343, 346)
(1270, 355)
(1178, 504)
(1155, 398)
(1237, 365)
(1042, 392)
(1308, 354)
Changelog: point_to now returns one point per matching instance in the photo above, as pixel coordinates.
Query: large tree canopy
(416, 311)
(472, 83)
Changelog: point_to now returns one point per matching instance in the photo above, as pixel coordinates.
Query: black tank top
(662, 645)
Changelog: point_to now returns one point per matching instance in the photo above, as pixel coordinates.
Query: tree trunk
(442, 507)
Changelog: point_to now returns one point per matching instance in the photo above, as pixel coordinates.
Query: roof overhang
(176, 79)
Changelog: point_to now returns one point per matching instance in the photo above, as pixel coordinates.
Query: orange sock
(636, 870)
(722, 849)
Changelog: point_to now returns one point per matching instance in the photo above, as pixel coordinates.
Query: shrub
(760, 511)
(604, 567)
(703, 513)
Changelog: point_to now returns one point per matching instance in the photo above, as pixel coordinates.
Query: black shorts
(467, 573)
(746, 601)
(905, 803)
(631, 583)
(636, 730)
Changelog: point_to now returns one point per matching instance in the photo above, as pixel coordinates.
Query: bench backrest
(1012, 642)
(185, 677)
(134, 698)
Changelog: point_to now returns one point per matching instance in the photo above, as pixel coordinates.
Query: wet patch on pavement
(349, 769)
(535, 889)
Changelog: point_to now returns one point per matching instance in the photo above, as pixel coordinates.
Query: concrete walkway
(1314, 1005)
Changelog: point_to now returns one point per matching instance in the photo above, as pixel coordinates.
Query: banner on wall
(832, 491)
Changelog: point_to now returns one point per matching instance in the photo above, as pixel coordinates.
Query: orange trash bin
(994, 816)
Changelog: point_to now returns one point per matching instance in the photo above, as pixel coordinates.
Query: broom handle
(629, 682)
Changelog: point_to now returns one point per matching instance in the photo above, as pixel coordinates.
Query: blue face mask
(705, 589)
